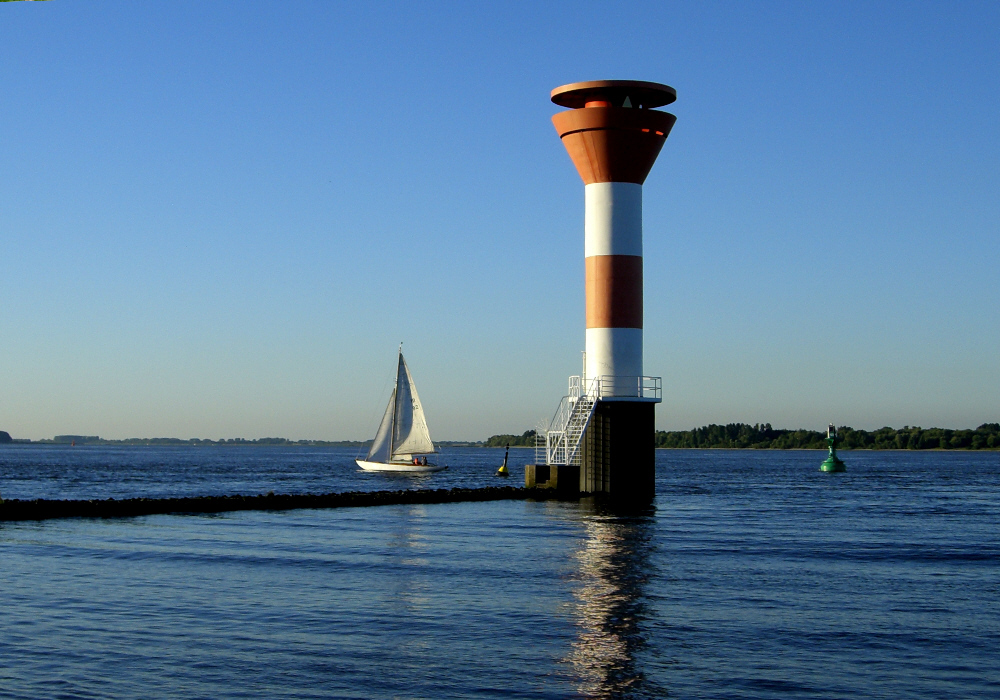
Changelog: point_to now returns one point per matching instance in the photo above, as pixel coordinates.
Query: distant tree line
(763, 436)
(760, 436)
(95, 440)
(526, 439)
(196, 442)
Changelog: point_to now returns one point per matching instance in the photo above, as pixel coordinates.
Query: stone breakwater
(42, 509)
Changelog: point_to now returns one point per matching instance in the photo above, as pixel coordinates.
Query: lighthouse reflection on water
(612, 569)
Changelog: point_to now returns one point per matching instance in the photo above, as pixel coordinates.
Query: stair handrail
(585, 412)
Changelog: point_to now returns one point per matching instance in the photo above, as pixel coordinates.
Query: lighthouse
(604, 427)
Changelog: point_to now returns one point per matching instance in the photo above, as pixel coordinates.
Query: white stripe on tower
(613, 219)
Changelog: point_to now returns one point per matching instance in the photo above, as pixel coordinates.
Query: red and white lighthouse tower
(613, 134)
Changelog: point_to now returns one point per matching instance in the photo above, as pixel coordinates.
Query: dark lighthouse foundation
(618, 451)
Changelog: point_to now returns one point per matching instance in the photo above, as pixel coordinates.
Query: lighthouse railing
(617, 387)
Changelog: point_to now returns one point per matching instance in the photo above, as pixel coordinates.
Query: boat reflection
(612, 570)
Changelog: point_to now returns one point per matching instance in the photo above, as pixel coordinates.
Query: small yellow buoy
(502, 471)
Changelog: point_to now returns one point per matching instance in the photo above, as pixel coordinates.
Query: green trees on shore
(741, 436)
(763, 436)
(526, 439)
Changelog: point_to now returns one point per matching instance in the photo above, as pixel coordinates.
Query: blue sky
(219, 219)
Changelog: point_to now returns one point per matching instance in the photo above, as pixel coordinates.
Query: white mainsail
(403, 431)
(410, 435)
(381, 447)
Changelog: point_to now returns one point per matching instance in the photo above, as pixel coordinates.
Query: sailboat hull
(398, 467)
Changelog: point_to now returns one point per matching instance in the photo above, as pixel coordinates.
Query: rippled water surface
(754, 576)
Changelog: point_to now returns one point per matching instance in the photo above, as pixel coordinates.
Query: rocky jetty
(42, 509)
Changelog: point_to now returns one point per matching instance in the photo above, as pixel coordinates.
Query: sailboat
(402, 442)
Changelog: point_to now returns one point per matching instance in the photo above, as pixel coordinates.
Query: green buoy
(832, 463)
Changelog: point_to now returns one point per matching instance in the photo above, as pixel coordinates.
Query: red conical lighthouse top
(611, 130)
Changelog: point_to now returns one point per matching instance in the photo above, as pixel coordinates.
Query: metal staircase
(559, 442)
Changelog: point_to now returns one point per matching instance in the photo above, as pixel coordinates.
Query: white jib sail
(410, 435)
(382, 444)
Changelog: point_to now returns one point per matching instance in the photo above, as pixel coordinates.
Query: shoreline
(840, 448)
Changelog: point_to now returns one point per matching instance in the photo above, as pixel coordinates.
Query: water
(755, 576)
(61, 471)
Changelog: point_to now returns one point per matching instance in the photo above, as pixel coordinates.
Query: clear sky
(219, 219)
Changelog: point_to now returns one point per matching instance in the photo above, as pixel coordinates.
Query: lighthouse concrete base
(564, 478)
(619, 451)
